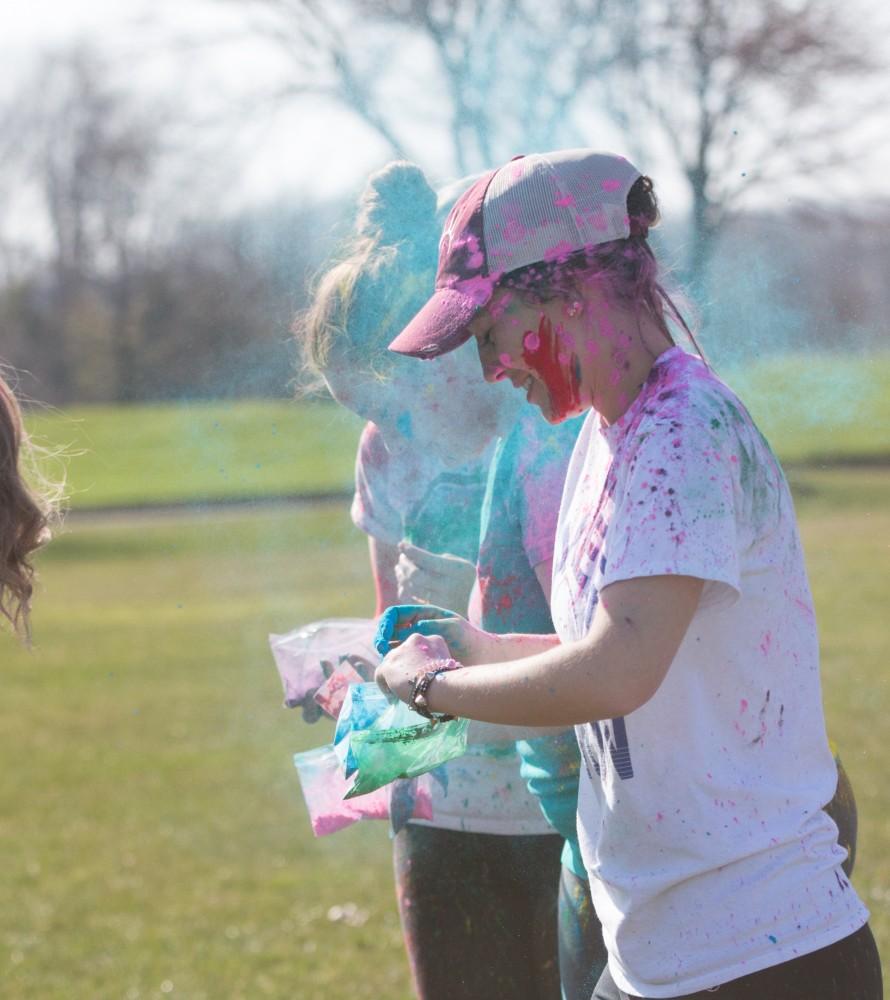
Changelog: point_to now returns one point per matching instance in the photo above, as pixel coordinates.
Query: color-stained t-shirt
(700, 814)
(518, 529)
(412, 496)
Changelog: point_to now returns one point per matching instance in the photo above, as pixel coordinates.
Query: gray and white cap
(540, 207)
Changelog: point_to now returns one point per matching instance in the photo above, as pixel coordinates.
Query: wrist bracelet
(421, 684)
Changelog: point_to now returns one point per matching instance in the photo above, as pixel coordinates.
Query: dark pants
(479, 913)
(847, 970)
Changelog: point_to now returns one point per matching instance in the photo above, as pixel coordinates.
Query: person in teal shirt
(517, 530)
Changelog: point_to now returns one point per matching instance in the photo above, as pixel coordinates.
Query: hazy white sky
(310, 149)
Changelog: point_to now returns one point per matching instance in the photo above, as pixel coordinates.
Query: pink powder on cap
(611, 185)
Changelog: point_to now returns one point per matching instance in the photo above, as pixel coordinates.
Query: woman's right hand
(466, 643)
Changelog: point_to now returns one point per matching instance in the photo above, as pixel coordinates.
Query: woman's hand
(465, 642)
(413, 657)
(424, 577)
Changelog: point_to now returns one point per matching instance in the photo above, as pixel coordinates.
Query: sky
(312, 150)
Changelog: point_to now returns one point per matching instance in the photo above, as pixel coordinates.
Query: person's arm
(383, 568)
(636, 632)
(544, 572)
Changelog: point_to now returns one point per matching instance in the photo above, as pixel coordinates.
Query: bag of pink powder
(325, 787)
(318, 662)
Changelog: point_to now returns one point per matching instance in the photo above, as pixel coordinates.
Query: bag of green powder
(382, 755)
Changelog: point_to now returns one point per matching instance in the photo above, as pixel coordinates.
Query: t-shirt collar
(614, 432)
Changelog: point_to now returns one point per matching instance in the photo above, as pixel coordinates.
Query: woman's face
(534, 347)
(442, 406)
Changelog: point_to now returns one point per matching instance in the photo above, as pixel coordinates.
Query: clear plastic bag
(309, 657)
(382, 755)
(325, 787)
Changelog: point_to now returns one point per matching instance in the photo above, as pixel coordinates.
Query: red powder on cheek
(541, 353)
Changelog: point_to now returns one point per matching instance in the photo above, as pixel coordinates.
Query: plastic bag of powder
(382, 755)
(325, 788)
(366, 707)
(307, 656)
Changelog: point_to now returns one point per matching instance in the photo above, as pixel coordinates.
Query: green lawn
(201, 451)
(153, 837)
(812, 409)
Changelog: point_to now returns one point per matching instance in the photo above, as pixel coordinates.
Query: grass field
(813, 410)
(153, 836)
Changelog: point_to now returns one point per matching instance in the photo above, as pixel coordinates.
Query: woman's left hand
(402, 665)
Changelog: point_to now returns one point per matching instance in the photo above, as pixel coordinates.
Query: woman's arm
(636, 632)
(383, 568)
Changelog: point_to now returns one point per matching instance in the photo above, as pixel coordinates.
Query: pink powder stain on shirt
(592, 346)
(743, 706)
(611, 185)
(766, 642)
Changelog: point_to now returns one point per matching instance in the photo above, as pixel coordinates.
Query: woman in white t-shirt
(687, 651)
(477, 884)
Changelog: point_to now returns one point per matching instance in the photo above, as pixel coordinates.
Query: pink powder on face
(540, 353)
(530, 342)
(506, 360)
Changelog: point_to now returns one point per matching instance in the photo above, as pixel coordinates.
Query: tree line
(129, 283)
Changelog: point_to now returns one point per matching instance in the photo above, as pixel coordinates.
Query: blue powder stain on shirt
(772, 938)
(403, 424)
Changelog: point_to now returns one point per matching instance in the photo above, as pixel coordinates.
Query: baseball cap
(539, 207)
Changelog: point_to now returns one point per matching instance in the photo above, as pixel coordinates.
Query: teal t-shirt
(518, 526)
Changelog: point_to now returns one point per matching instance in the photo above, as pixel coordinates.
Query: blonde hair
(384, 274)
(29, 507)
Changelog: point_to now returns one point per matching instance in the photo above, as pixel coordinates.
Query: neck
(615, 371)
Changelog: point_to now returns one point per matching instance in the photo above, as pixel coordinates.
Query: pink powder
(611, 185)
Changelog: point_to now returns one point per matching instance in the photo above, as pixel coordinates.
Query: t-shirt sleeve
(677, 510)
(539, 490)
(371, 510)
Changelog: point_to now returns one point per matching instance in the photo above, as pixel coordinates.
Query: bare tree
(738, 94)
(502, 76)
(741, 94)
(88, 151)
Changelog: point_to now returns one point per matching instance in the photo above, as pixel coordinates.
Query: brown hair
(26, 514)
(627, 269)
(384, 274)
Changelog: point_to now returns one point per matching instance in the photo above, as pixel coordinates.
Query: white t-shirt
(700, 814)
(437, 508)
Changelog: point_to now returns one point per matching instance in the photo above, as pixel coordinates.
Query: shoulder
(687, 405)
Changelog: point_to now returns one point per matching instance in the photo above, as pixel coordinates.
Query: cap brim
(440, 327)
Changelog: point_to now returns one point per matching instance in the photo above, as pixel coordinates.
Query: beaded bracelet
(421, 684)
